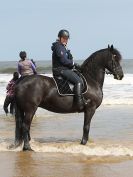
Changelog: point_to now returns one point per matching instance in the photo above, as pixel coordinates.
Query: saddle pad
(63, 86)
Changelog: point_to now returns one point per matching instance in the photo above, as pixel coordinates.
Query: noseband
(113, 65)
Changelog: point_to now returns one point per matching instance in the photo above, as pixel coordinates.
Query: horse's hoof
(27, 149)
(83, 142)
(18, 143)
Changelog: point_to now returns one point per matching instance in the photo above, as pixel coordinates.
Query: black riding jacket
(61, 58)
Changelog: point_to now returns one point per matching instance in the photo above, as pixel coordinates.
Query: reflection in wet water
(30, 164)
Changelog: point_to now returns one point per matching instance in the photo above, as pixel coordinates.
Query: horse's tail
(19, 115)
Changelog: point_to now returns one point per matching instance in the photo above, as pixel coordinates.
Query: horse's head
(113, 63)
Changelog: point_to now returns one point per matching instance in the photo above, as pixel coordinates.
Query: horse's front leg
(88, 114)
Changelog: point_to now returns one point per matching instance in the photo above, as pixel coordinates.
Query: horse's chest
(95, 95)
(99, 96)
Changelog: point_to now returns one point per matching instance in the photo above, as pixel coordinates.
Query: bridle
(114, 67)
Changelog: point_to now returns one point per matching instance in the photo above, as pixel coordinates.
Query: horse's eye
(114, 55)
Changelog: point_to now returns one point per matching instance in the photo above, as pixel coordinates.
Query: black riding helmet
(22, 54)
(63, 33)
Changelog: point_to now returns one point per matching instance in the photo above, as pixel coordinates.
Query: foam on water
(91, 149)
(88, 150)
(118, 92)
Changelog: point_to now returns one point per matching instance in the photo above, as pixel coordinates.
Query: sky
(33, 25)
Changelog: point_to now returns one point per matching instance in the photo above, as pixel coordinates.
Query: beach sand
(57, 150)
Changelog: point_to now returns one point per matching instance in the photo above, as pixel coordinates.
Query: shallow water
(23, 164)
(57, 150)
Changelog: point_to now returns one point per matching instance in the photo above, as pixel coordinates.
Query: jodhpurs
(71, 76)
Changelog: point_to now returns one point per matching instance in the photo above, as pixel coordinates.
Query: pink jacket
(10, 88)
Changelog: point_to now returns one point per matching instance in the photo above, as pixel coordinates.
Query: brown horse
(40, 91)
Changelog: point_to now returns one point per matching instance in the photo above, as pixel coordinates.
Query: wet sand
(31, 164)
(56, 141)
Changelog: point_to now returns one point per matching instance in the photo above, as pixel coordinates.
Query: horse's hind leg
(26, 128)
(19, 116)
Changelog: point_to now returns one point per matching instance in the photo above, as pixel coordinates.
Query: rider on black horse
(63, 65)
(25, 66)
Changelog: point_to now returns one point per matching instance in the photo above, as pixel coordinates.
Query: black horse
(40, 91)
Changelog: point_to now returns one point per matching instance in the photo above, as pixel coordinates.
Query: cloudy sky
(32, 25)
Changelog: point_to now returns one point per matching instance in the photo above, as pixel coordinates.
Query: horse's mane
(87, 64)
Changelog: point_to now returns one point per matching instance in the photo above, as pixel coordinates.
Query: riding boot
(78, 96)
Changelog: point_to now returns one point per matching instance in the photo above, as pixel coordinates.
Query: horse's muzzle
(118, 76)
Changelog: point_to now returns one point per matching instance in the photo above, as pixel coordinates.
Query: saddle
(66, 88)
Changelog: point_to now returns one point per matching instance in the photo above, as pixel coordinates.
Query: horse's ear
(112, 48)
(108, 46)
